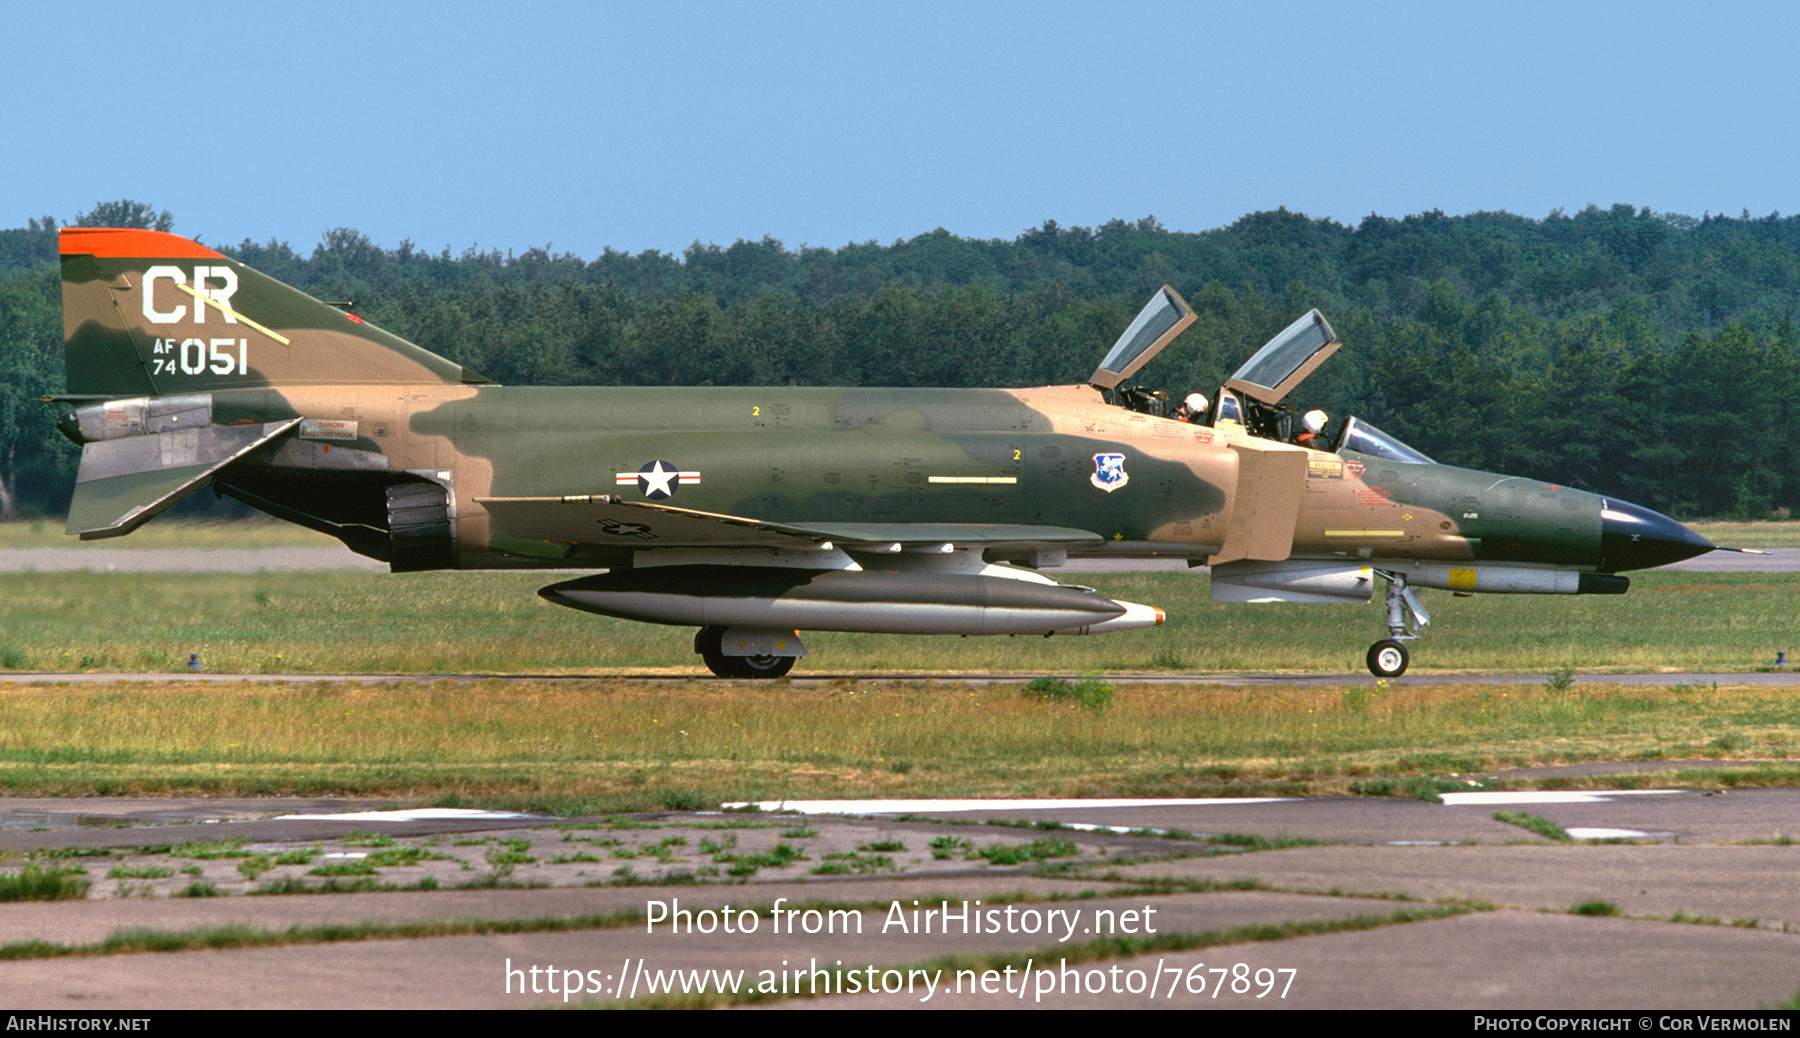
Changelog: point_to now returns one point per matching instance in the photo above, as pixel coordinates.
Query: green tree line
(1619, 350)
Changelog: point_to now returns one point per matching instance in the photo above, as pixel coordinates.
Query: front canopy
(1165, 316)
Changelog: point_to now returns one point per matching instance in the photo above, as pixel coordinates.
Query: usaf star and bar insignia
(619, 529)
(657, 480)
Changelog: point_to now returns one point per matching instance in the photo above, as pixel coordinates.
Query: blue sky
(652, 125)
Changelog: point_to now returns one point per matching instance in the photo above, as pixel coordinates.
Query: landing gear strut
(1406, 618)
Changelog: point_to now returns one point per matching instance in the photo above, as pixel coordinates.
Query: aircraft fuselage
(1052, 456)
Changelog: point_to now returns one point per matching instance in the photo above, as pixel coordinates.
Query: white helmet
(1313, 421)
(1196, 404)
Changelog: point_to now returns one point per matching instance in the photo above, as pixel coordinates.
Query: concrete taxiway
(1688, 903)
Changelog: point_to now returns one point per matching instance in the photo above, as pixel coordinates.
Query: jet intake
(837, 600)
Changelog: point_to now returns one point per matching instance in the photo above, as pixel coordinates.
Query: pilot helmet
(1313, 421)
(1196, 403)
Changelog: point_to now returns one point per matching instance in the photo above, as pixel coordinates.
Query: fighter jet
(753, 514)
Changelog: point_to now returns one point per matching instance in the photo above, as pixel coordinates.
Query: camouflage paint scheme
(188, 369)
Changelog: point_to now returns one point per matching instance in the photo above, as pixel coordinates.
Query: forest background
(1619, 350)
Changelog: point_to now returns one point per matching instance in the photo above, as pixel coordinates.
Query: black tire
(1388, 659)
(707, 642)
(763, 666)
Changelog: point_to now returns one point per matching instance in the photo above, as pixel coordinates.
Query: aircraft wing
(605, 520)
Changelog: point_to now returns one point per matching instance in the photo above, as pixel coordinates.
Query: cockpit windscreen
(1363, 438)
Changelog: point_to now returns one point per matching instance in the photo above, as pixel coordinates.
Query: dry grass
(617, 743)
(459, 623)
(354, 622)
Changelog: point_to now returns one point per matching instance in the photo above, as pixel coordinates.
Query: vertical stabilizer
(153, 314)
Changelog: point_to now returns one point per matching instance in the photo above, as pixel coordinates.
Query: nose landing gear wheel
(1387, 659)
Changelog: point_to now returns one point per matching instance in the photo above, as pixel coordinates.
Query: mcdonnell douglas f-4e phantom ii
(752, 514)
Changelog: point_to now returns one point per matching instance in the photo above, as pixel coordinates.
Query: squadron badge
(1109, 472)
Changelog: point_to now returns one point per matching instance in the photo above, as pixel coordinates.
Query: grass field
(458, 623)
(1750, 535)
(623, 744)
(612, 741)
(350, 621)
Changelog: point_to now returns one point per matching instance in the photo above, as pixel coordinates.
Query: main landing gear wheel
(762, 666)
(707, 644)
(1387, 659)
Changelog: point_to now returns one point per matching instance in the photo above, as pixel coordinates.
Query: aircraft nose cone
(1633, 537)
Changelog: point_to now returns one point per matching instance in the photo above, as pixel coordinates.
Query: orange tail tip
(128, 243)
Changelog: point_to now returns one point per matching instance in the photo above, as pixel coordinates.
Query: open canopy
(1165, 316)
(1286, 360)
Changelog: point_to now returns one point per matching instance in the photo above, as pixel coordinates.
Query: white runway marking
(1528, 796)
(913, 807)
(418, 815)
(1612, 834)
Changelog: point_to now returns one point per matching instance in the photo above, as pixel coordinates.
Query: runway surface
(109, 559)
(1251, 904)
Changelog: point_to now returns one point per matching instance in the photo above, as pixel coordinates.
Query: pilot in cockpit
(1312, 425)
(1191, 410)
